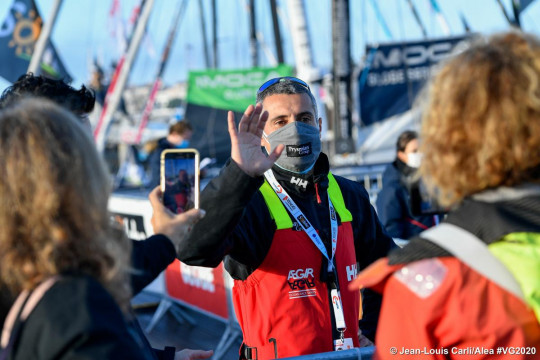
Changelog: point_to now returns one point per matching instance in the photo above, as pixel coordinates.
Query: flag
(211, 93)
(18, 35)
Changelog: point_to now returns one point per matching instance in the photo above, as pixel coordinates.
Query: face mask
(184, 144)
(302, 146)
(414, 160)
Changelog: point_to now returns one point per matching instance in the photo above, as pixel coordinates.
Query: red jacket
(285, 299)
(439, 308)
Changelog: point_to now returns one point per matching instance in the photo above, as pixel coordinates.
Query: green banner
(230, 89)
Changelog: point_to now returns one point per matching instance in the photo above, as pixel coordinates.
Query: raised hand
(246, 142)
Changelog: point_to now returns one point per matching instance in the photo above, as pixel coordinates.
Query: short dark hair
(29, 85)
(288, 87)
(180, 127)
(405, 138)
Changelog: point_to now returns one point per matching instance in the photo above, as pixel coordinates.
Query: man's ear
(320, 127)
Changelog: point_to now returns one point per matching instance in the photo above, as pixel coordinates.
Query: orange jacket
(439, 308)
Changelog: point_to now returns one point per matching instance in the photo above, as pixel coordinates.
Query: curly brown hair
(481, 118)
(53, 214)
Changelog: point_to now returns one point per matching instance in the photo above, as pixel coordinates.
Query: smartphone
(180, 179)
(422, 202)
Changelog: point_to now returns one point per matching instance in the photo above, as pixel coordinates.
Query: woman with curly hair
(58, 247)
(469, 287)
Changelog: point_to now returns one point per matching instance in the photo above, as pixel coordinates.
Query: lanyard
(310, 231)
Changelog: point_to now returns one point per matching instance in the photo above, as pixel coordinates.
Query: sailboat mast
(116, 95)
(214, 35)
(43, 39)
(300, 40)
(253, 35)
(341, 53)
(277, 33)
(203, 31)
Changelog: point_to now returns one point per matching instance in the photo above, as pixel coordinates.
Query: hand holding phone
(180, 179)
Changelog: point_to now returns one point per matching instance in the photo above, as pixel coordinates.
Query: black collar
(304, 184)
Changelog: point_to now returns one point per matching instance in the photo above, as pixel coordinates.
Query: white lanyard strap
(299, 216)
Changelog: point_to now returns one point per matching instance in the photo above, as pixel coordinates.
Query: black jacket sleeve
(225, 200)
(149, 258)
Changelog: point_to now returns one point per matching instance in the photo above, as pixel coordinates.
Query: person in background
(290, 233)
(148, 257)
(393, 201)
(179, 136)
(468, 288)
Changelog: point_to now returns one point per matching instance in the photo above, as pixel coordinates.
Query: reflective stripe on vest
(282, 218)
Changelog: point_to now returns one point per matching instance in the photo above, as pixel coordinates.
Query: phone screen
(180, 179)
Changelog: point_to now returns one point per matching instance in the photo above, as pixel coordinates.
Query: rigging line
(417, 18)
(403, 47)
(364, 27)
(440, 17)
(381, 20)
(400, 17)
(204, 41)
(165, 55)
(505, 13)
(147, 42)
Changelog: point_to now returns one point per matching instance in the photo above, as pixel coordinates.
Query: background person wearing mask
(179, 136)
(468, 288)
(393, 201)
(290, 233)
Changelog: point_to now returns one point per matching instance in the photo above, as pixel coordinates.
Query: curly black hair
(79, 101)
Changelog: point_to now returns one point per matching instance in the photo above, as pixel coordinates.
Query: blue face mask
(184, 144)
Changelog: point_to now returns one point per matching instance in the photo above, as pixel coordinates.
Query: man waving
(291, 234)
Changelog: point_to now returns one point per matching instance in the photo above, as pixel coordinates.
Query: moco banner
(232, 89)
(394, 74)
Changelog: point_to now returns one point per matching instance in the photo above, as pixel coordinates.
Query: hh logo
(351, 272)
(301, 279)
(299, 182)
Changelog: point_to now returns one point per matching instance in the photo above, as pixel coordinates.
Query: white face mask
(414, 159)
